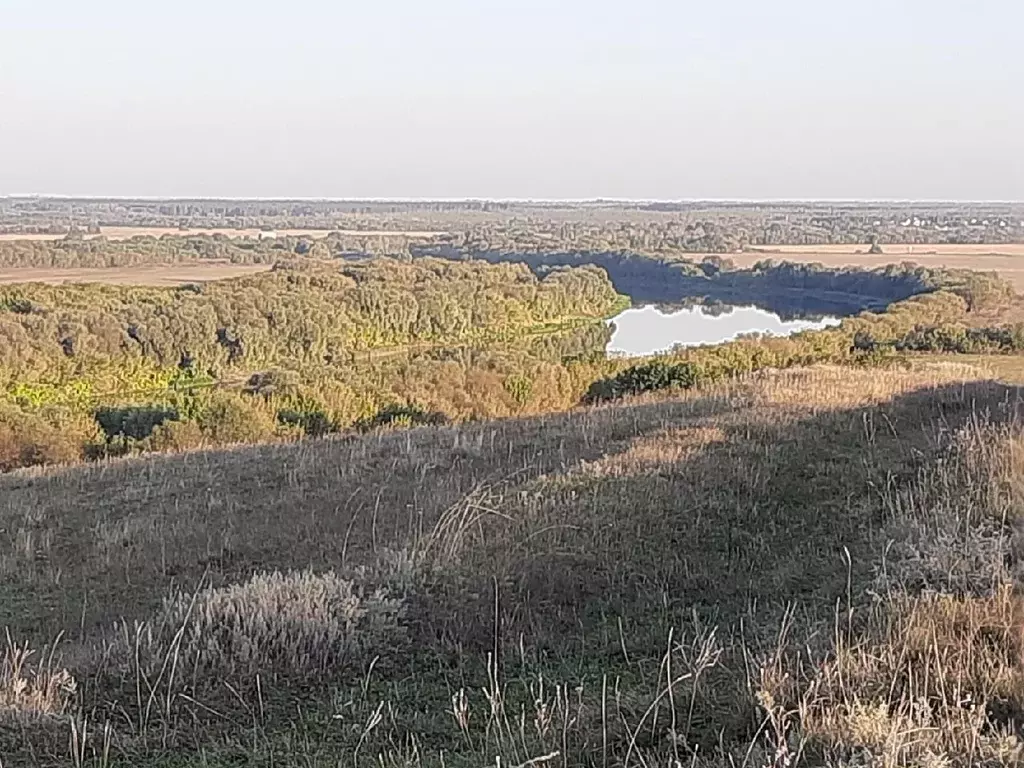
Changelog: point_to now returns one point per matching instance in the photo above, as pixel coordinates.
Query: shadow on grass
(92, 544)
(749, 521)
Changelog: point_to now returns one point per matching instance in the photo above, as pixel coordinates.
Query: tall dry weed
(33, 685)
(931, 673)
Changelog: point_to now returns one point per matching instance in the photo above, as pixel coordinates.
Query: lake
(648, 330)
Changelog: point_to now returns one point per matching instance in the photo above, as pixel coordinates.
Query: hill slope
(798, 568)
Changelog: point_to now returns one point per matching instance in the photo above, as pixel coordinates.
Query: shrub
(28, 439)
(176, 436)
(646, 377)
(136, 421)
(231, 418)
(399, 416)
(312, 421)
(308, 414)
(958, 339)
(267, 383)
(519, 388)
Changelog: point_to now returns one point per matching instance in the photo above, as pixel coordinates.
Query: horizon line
(542, 200)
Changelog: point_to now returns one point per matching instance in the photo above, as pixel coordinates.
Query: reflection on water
(648, 330)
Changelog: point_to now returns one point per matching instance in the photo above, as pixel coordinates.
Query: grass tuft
(32, 685)
(297, 625)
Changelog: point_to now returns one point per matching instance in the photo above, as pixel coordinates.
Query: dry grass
(931, 671)
(902, 249)
(899, 249)
(812, 567)
(1007, 368)
(32, 686)
(296, 624)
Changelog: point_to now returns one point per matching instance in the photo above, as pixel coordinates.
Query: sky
(541, 99)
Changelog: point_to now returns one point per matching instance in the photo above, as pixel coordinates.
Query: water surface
(649, 330)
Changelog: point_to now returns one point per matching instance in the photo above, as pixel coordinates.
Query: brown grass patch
(900, 249)
(298, 624)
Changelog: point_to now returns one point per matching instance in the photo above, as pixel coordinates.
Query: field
(802, 568)
(157, 275)
(126, 233)
(1006, 259)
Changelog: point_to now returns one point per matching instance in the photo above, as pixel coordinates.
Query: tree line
(323, 315)
(666, 227)
(786, 288)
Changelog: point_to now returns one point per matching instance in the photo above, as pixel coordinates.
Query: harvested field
(1007, 259)
(901, 249)
(157, 275)
(126, 233)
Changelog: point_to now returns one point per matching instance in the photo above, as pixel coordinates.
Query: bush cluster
(647, 377)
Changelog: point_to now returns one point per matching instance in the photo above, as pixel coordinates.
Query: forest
(141, 250)
(305, 314)
(308, 348)
(787, 289)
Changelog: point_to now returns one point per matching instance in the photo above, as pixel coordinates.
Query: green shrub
(307, 414)
(313, 421)
(963, 340)
(519, 388)
(647, 377)
(402, 416)
(136, 422)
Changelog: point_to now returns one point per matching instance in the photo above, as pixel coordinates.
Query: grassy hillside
(800, 568)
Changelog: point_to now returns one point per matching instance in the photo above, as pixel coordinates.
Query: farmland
(1005, 258)
(155, 275)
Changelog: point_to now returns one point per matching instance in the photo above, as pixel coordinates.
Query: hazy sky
(654, 99)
